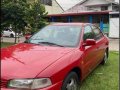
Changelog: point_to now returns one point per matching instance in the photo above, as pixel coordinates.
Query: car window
(97, 32)
(88, 33)
(61, 35)
(10, 30)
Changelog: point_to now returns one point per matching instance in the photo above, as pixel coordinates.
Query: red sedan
(58, 57)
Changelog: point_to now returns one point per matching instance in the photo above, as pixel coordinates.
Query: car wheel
(105, 58)
(11, 35)
(71, 82)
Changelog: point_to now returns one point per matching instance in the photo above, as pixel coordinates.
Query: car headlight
(30, 83)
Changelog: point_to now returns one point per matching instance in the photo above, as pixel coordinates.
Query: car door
(5, 32)
(89, 57)
(10, 32)
(100, 43)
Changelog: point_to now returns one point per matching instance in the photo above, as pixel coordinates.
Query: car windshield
(67, 36)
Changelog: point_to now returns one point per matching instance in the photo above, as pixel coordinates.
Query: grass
(104, 77)
(5, 44)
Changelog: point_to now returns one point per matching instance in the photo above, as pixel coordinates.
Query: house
(94, 5)
(51, 6)
(100, 18)
(89, 11)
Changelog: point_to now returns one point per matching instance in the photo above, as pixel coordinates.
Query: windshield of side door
(57, 35)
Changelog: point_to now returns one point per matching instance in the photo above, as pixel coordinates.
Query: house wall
(110, 7)
(96, 8)
(54, 9)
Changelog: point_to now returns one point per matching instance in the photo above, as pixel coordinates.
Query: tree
(36, 16)
(14, 12)
(20, 14)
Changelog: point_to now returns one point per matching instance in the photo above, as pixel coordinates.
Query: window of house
(46, 2)
(115, 7)
(104, 8)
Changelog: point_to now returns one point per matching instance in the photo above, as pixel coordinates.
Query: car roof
(69, 24)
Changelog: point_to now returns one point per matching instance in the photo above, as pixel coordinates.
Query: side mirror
(27, 36)
(89, 42)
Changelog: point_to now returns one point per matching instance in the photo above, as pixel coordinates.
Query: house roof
(59, 5)
(79, 5)
(80, 13)
(110, 1)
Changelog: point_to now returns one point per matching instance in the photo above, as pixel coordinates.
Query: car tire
(11, 35)
(105, 58)
(71, 82)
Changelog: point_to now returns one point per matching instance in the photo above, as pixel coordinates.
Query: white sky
(66, 4)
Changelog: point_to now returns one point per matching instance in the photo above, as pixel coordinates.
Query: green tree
(13, 12)
(36, 16)
(20, 14)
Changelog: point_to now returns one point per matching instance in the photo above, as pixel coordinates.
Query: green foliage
(13, 12)
(36, 15)
(20, 14)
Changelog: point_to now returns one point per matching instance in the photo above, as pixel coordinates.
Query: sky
(66, 4)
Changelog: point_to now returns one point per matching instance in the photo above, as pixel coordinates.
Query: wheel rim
(72, 84)
(105, 57)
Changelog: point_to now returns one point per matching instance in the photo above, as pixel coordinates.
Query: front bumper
(56, 86)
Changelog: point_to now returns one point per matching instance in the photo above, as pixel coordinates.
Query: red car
(57, 57)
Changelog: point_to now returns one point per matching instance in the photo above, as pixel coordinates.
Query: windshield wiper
(50, 43)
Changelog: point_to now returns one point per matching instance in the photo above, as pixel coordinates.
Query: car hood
(28, 60)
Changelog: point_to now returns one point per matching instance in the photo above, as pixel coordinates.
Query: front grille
(3, 83)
